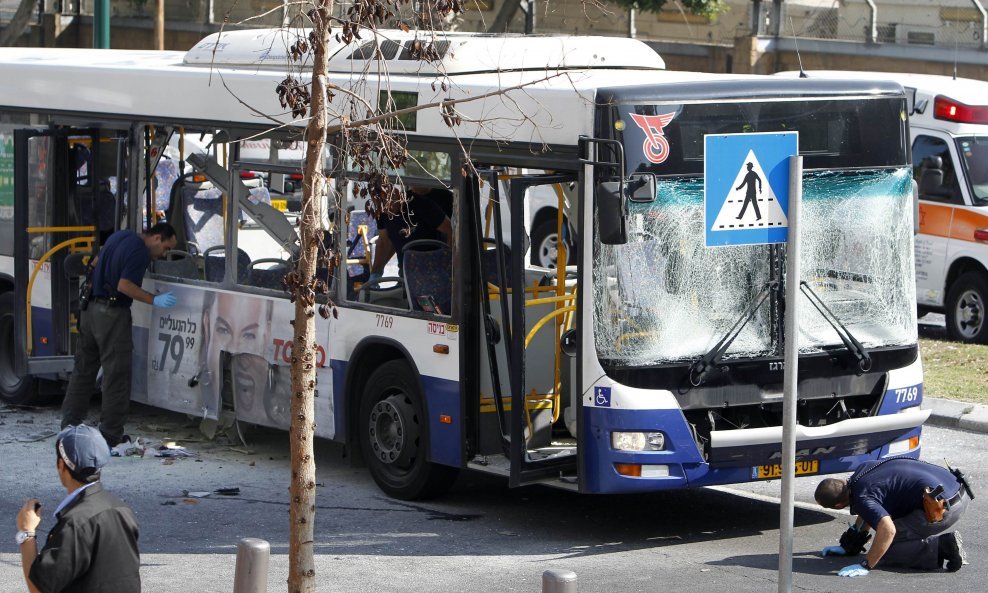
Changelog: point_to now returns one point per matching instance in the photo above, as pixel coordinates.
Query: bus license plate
(771, 472)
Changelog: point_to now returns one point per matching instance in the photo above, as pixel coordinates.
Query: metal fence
(947, 23)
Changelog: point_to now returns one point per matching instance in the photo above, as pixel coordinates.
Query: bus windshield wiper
(709, 361)
(850, 342)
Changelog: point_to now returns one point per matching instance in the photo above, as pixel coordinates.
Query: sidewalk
(955, 414)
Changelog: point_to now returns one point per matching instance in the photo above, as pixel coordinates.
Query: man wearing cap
(93, 545)
(105, 326)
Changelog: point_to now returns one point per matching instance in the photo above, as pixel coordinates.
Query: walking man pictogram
(750, 179)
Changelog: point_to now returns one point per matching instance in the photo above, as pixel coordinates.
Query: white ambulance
(949, 134)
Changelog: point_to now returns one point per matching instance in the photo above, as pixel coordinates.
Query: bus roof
(460, 53)
(934, 96)
(235, 87)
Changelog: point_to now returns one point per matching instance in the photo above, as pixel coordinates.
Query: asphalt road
(481, 537)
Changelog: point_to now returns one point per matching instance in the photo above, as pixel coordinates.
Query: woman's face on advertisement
(236, 325)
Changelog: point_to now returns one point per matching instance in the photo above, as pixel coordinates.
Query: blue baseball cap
(83, 449)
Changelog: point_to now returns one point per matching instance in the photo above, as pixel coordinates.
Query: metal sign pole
(791, 374)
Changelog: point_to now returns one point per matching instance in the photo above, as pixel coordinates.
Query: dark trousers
(105, 340)
(917, 541)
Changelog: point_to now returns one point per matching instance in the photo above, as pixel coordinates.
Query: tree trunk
(159, 25)
(503, 18)
(17, 24)
(301, 560)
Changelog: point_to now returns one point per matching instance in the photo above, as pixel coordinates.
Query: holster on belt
(933, 504)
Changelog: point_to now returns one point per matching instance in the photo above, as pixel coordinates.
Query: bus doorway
(66, 203)
(525, 384)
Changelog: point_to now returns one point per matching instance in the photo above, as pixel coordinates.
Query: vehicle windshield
(664, 297)
(974, 154)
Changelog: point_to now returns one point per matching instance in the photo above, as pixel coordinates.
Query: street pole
(790, 376)
(101, 24)
(159, 25)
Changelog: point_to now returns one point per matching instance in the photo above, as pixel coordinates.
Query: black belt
(955, 498)
(110, 302)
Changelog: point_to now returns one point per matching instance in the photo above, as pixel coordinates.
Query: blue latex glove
(834, 551)
(374, 276)
(165, 300)
(854, 570)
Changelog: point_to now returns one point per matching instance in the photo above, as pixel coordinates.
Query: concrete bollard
(558, 581)
(251, 574)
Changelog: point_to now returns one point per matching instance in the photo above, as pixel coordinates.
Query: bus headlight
(638, 441)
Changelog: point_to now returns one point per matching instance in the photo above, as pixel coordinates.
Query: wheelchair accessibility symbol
(602, 396)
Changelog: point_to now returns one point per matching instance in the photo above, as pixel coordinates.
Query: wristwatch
(865, 565)
(23, 536)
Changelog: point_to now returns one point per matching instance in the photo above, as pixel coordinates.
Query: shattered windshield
(665, 297)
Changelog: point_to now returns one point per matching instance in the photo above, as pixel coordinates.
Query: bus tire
(394, 434)
(967, 309)
(545, 246)
(14, 389)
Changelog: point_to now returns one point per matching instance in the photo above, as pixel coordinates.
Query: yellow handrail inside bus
(545, 319)
(34, 274)
(61, 229)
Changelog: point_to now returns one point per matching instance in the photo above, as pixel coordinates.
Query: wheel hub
(970, 313)
(393, 431)
(548, 252)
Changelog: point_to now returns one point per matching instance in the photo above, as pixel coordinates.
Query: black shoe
(113, 441)
(952, 550)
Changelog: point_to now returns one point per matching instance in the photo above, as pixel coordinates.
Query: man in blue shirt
(887, 496)
(105, 326)
(93, 544)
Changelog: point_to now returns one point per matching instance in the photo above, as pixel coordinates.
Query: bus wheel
(14, 389)
(394, 435)
(967, 309)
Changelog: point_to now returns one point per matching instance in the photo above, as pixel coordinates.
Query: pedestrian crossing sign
(746, 187)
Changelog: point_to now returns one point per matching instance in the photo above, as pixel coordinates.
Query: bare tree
(374, 149)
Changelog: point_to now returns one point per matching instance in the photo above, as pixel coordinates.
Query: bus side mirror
(612, 213)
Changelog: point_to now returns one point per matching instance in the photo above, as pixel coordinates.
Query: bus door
(524, 310)
(65, 206)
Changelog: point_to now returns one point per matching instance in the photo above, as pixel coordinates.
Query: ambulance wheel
(967, 309)
(394, 436)
(14, 389)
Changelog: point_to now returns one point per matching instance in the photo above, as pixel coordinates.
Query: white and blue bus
(642, 361)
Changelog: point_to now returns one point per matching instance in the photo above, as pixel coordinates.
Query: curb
(955, 414)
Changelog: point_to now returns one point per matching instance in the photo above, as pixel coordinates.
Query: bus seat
(427, 266)
(271, 276)
(165, 176)
(215, 263)
(75, 264)
(488, 260)
(361, 231)
(256, 195)
(641, 270)
(177, 264)
(203, 216)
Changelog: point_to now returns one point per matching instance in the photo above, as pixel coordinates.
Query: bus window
(936, 188)
(7, 189)
(412, 246)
